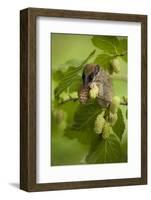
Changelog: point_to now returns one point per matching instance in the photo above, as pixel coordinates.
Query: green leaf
(70, 109)
(74, 87)
(105, 151)
(119, 126)
(106, 43)
(85, 115)
(104, 60)
(112, 45)
(126, 114)
(70, 76)
(124, 148)
(57, 75)
(124, 57)
(67, 80)
(68, 63)
(82, 127)
(67, 152)
(57, 119)
(122, 45)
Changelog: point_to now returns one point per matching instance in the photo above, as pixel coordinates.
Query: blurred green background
(70, 50)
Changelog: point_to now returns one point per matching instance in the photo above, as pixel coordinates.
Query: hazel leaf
(106, 43)
(119, 126)
(104, 60)
(105, 151)
(82, 127)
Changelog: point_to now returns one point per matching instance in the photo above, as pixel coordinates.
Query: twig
(123, 103)
(122, 54)
(68, 100)
(90, 55)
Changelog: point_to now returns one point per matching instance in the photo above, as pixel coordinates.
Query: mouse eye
(83, 76)
(90, 77)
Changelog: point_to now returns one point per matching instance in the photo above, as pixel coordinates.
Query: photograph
(89, 99)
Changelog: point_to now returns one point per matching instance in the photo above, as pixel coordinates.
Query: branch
(68, 100)
(123, 103)
(89, 56)
(122, 54)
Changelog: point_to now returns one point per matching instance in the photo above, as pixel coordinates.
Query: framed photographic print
(83, 93)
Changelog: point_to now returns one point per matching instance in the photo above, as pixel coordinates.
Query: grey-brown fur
(103, 81)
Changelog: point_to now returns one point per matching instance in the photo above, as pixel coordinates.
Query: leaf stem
(70, 99)
(121, 54)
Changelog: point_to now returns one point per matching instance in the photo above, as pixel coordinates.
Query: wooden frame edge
(27, 101)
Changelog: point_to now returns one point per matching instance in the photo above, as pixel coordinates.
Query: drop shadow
(16, 185)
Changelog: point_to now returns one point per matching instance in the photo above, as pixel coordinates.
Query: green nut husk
(115, 104)
(94, 91)
(106, 131)
(112, 118)
(115, 63)
(99, 123)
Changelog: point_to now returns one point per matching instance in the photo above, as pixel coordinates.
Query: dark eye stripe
(90, 77)
(83, 76)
